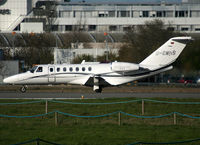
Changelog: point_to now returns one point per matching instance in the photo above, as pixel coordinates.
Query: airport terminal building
(64, 16)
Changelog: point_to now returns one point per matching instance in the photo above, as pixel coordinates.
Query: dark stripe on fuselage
(139, 73)
(55, 74)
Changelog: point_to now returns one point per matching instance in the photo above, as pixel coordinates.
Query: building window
(74, 14)
(71, 69)
(145, 14)
(153, 14)
(87, 14)
(77, 69)
(194, 13)
(68, 27)
(126, 29)
(103, 14)
(125, 14)
(113, 28)
(64, 13)
(92, 27)
(118, 13)
(197, 29)
(55, 28)
(58, 69)
(181, 13)
(184, 29)
(111, 14)
(169, 14)
(159, 14)
(170, 28)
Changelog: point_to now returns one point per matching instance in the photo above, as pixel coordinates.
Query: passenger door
(51, 78)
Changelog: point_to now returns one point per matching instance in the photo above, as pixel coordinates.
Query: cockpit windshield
(33, 69)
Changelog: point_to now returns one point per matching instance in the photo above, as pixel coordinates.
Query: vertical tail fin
(167, 53)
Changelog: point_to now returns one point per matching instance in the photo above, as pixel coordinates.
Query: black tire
(23, 89)
(98, 90)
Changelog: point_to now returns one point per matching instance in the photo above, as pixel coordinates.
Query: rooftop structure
(64, 16)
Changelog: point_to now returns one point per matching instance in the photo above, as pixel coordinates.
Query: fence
(56, 112)
(104, 115)
(110, 103)
(119, 113)
(38, 140)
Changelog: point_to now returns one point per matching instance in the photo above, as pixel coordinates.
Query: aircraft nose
(9, 80)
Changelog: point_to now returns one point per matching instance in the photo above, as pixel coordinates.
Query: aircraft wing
(80, 80)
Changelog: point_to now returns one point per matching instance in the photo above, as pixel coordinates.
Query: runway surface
(60, 95)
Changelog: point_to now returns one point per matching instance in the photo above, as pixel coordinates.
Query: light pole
(13, 45)
(106, 35)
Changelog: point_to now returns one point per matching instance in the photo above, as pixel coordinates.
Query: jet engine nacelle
(124, 66)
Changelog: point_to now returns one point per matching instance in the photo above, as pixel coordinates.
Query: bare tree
(142, 40)
(3, 69)
(38, 49)
(78, 59)
(46, 10)
(51, 15)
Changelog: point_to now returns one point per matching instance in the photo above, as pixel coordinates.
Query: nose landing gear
(23, 89)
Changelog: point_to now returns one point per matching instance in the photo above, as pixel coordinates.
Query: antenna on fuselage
(83, 62)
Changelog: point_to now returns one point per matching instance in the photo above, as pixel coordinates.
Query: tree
(3, 69)
(78, 59)
(111, 57)
(189, 59)
(49, 12)
(37, 51)
(75, 37)
(142, 40)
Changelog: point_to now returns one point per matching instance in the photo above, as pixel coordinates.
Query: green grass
(98, 131)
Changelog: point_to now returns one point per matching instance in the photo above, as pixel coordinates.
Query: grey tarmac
(66, 95)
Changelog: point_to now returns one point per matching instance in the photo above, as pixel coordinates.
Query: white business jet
(100, 75)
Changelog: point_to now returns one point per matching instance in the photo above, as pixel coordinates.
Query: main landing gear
(23, 89)
(98, 90)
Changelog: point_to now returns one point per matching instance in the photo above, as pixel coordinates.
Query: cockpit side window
(40, 69)
(33, 69)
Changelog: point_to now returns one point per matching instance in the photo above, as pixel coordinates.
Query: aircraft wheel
(23, 89)
(98, 90)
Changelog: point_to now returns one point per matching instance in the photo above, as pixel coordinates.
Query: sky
(125, 1)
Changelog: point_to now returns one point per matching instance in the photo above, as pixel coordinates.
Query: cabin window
(83, 68)
(64, 69)
(51, 69)
(89, 68)
(58, 69)
(39, 69)
(77, 69)
(70, 69)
